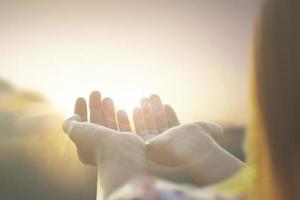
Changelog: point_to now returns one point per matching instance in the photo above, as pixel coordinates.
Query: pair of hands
(108, 138)
(150, 120)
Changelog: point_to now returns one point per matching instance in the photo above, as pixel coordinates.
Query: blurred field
(37, 161)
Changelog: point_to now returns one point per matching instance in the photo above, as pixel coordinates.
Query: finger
(83, 133)
(96, 110)
(109, 113)
(73, 126)
(81, 108)
(158, 112)
(171, 116)
(123, 121)
(139, 122)
(148, 116)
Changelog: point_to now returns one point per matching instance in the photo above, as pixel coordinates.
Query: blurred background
(194, 53)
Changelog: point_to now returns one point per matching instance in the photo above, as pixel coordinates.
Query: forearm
(114, 173)
(217, 166)
(173, 174)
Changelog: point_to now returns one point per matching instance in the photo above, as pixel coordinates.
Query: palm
(107, 134)
(153, 118)
(150, 120)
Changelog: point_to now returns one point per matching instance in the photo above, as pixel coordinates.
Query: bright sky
(194, 54)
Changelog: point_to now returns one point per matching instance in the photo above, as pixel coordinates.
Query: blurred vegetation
(5, 86)
(38, 161)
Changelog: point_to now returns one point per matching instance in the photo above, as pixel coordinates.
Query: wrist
(197, 152)
(114, 173)
(216, 166)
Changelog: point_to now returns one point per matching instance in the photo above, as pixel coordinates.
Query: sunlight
(127, 99)
(125, 93)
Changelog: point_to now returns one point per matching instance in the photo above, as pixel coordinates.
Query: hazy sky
(195, 54)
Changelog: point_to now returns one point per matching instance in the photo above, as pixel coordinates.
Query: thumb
(70, 123)
(215, 130)
(76, 129)
(158, 150)
(80, 131)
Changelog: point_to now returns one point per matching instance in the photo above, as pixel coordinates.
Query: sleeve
(149, 188)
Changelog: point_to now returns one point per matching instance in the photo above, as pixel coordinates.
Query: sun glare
(125, 97)
(125, 101)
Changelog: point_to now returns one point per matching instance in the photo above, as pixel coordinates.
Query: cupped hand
(180, 146)
(181, 152)
(153, 118)
(105, 141)
(193, 148)
(169, 143)
(106, 136)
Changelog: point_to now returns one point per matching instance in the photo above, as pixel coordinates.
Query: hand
(102, 131)
(118, 155)
(175, 147)
(153, 118)
(193, 147)
(182, 151)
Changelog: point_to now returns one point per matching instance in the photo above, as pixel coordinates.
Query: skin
(192, 148)
(161, 146)
(151, 119)
(146, 119)
(104, 141)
